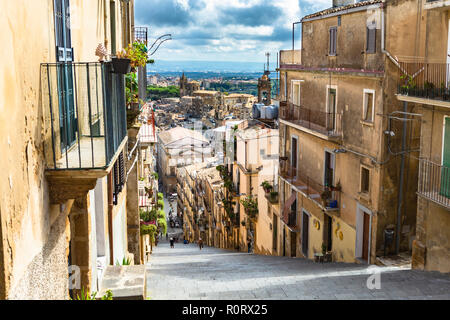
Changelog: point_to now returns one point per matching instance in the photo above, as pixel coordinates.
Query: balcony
(325, 124)
(84, 114)
(85, 129)
(434, 183)
(427, 83)
(437, 4)
(290, 57)
(326, 197)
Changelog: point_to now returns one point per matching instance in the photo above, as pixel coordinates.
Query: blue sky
(223, 30)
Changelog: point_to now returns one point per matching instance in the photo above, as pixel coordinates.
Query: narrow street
(185, 272)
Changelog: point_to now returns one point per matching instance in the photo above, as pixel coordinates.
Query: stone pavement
(186, 273)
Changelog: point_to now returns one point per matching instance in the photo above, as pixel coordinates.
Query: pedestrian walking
(200, 243)
(167, 236)
(171, 243)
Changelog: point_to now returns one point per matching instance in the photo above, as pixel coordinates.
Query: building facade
(64, 182)
(347, 178)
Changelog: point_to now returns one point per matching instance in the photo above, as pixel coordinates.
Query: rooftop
(180, 133)
(341, 8)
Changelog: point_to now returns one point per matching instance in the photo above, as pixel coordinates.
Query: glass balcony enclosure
(84, 115)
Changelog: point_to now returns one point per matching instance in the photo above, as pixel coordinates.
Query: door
(275, 234)
(445, 175)
(305, 234)
(366, 233)
(331, 109)
(294, 152)
(329, 232)
(293, 244)
(329, 169)
(64, 53)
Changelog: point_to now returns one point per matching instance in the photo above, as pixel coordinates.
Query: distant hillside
(162, 66)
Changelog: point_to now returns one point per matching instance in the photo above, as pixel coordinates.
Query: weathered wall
(30, 243)
(351, 42)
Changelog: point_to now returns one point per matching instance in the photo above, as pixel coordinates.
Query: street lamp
(159, 41)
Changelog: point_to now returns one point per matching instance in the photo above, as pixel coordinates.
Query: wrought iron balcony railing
(434, 182)
(84, 115)
(327, 196)
(141, 34)
(424, 80)
(327, 123)
(292, 219)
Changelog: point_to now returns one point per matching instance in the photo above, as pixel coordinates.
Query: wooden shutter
(63, 38)
(371, 40)
(333, 40)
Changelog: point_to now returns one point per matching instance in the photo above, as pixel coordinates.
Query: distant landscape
(202, 67)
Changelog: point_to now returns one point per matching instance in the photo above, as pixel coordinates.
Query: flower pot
(121, 66)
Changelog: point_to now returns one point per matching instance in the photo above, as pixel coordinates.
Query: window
(333, 40)
(371, 38)
(368, 109)
(295, 92)
(365, 180)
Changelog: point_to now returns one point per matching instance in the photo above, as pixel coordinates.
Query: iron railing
(84, 115)
(141, 34)
(434, 182)
(424, 80)
(326, 196)
(328, 123)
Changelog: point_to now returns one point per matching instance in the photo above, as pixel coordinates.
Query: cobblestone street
(186, 273)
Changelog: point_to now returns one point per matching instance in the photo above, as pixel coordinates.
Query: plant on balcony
(149, 192)
(160, 196)
(266, 186)
(325, 196)
(155, 176)
(273, 197)
(408, 86)
(160, 205)
(250, 206)
(137, 53)
(162, 225)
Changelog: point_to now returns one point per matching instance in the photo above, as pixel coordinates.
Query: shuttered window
(333, 40)
(371, 40)
(62, 30)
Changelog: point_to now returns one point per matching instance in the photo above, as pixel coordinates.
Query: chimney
(340, 3)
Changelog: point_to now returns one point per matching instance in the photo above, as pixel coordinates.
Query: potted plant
(130, 58)
(266, 186)
(250, 206)
(325, 196)
(273, 198)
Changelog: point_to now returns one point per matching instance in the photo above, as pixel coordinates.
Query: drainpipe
(402, 176)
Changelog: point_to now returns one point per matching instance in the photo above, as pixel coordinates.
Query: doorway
(294, 154)
(305, 234)
(328, 229)
(275, 235)
(329, 169)
(293, 244)
(363, 233)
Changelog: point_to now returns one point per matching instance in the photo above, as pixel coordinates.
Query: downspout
(402, 176)
(404, 133)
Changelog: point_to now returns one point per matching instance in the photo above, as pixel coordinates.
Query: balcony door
(64, 55)
(329, 169)
(445, 175)
(331, 108)
(294, 156)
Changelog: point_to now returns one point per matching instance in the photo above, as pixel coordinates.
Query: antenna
(268, 60)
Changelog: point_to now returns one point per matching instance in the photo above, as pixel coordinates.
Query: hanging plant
(250, 206)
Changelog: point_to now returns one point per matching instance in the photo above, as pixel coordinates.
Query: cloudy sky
(223, 30)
